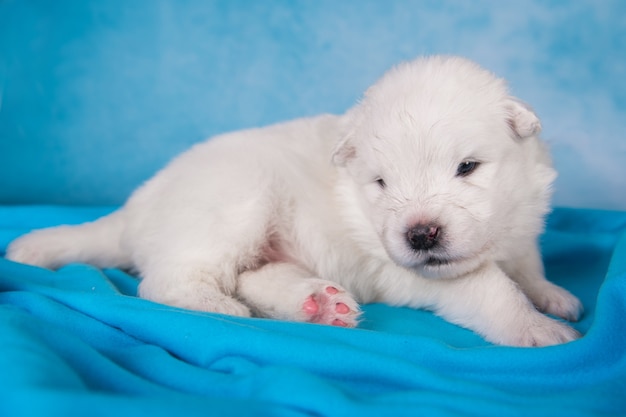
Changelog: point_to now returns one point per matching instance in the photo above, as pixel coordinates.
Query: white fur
(261, 220)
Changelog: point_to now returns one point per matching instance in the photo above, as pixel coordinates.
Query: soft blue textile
(77, 342)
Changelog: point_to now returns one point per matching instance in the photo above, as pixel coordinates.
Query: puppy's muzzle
(423, 236)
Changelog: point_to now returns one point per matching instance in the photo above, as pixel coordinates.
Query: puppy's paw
(194, 296)
(539, 330)
(559, 302)
(212, 303)
(330, 304)
(36, 248)
(227, 305)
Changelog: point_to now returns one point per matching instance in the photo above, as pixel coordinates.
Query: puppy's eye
(465, 168)
(381, 183)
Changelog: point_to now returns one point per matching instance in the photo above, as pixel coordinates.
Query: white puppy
(429, 193)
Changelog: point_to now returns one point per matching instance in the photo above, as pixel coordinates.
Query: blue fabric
(78, 342)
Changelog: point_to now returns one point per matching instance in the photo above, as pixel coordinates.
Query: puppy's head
(445, 165)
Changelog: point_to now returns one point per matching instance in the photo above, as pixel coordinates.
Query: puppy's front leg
(526, 268)
(487, 302)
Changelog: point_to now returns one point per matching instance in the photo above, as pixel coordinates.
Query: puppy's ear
(344, 151)
(522, 119)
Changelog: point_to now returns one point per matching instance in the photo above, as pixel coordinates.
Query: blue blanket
(79, 342)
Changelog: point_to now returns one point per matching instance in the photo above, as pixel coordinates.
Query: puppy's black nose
(423, 236)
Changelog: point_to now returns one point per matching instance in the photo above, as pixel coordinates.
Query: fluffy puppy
(429, 193)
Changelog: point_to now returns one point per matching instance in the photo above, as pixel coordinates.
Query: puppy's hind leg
(197, 268)
(97, 243)
(193, 260)
(191, 285)
(287, 292)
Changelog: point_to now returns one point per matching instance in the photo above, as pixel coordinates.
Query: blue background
(97, 95)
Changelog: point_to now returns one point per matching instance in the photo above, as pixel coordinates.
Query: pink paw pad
(310, 306)
(331, 306)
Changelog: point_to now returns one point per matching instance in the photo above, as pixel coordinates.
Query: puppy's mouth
(449, 266)
(435, 262)
(441, 267)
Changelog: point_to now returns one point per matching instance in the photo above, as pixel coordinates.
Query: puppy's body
(434, 199)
